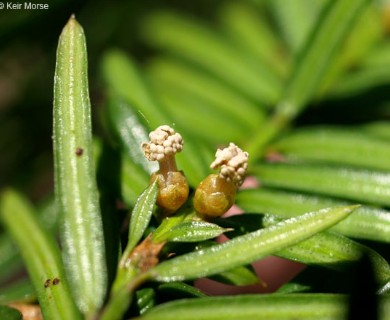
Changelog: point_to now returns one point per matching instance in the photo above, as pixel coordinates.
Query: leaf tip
(354, 207)
(72, 23)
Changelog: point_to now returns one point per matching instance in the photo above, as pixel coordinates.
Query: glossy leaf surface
(140, 216)
(333, 251)
(130, 132)
(191, 231)
(365, 222)
(248, 248)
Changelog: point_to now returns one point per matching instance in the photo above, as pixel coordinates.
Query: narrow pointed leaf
(327, 249)
(365, 222)
(11, 262)
(336, 145)
(75, 182)
(336, 20)
(310, 69)
(191, 231)
(333, 251)
(296, 306)
(41, 256)
(125, 80)
(130, 132)
(362, 40)
(288, 16)
(360, 185)
(200, 44)
(140, 217)
(241, 275)
(248, 248)
(167, 225)
(336, 252)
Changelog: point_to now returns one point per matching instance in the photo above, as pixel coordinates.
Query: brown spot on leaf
(79, 151)
(47, 283)
(56, 281)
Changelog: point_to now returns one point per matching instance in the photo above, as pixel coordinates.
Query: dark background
(28, 41)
